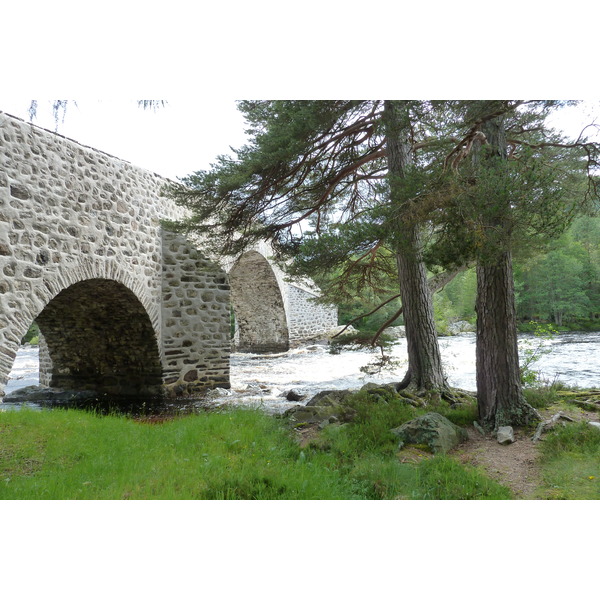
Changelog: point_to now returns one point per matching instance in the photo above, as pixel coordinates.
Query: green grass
(238, 454)
(571, 463)
(542, 396)
(77, 455)
(366, 452)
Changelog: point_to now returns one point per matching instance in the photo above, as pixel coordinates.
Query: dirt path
(515, 465)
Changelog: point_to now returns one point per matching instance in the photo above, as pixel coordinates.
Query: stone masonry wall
(45, 362)
(80, 232)
(195, 317)
(258, 289)
(258, 305)
(68, 214)
(307, 318)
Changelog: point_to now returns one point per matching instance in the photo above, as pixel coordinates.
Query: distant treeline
(560, 285)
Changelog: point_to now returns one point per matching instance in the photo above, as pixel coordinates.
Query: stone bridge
(125, 307)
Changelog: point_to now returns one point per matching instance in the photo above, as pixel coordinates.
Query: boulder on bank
(326, 405)
(330, 398)
(432, 429)
(460, 327)
(396, 333)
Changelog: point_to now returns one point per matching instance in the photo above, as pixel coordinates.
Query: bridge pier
(195, 320)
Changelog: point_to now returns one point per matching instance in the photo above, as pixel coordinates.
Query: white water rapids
(264, 380)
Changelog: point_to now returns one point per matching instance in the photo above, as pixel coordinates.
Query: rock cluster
(339, 406)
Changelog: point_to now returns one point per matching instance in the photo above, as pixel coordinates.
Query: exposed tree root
(549, 424)
(588, 399)
(425, 397)
(520, 414)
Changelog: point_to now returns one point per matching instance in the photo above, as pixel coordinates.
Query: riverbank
(247, 454)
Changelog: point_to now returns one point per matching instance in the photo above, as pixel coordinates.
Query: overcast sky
(175, 140)
(186, 135)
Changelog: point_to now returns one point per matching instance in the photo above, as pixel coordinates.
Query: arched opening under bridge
(97, 336)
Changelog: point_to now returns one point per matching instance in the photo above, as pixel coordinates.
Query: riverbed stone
(294, 396)
(50, 397)
(433, 430)
(460, 327)
(396, 333)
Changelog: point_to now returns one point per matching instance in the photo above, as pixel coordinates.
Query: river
(264, 380)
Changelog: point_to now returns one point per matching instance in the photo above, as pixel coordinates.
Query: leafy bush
(32, 336)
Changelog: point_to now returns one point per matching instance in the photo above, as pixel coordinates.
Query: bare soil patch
(517, 465)
(514, 465)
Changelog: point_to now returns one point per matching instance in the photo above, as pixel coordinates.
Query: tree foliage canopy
(314, 180)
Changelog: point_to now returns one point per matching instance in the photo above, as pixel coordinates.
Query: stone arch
(57, 293)
(258, 305)
(99, 337)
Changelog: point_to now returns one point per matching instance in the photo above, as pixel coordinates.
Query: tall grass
(367, 453)
(76, 455)
(238, 454)
(571, 463)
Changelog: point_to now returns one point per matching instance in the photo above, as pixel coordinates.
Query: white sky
(185, 135)
(182, 137)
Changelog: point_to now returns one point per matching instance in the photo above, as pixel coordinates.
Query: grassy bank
(238, 454)
(246, 454)
(571, 463)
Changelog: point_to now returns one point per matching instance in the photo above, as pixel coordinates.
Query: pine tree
(398, 186)
(349, 168)
(510, 184)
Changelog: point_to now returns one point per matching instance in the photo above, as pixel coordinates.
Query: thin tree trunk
(424, 360)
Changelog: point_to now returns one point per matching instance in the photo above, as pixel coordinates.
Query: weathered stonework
(272, 312)
(195, 319)
(123, 305)
(307, 317)
(258, 306)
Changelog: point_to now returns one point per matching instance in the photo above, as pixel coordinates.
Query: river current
(265, 380)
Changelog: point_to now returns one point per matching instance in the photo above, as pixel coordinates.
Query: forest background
(559, 285)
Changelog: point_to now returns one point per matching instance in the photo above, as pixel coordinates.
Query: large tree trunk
(499, 393)
(424, 361)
